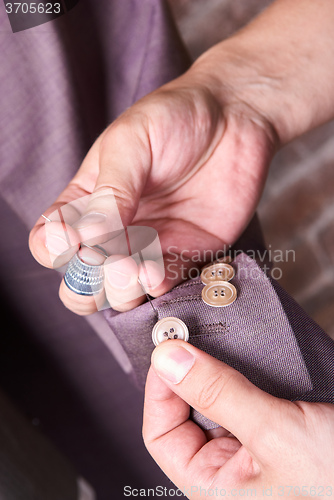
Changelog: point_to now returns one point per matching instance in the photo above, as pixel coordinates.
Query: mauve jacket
(61, 84)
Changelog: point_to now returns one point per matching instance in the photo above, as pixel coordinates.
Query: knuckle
(212, 390)
(124, 128)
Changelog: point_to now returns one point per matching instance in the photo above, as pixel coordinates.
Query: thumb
(124, 165)
(217, 391)
(104, 194)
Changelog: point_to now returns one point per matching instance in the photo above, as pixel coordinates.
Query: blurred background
(297, 207)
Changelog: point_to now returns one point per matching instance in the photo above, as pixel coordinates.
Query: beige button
(217, 272)
(219, 294)
(168, 329)
(226, 260)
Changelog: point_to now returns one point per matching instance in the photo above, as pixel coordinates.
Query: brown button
(217, 272)
(219, 294)
(168, 329)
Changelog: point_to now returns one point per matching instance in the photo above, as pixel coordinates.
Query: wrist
(243, 83)
(280, 65)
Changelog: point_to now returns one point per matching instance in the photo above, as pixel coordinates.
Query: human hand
(267, 446)
(191, 158)
(180, 161)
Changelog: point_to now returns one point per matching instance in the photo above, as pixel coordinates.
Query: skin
(264, 442)
(193, 159)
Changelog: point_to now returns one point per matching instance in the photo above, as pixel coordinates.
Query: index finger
(167, 430)
(64, 212)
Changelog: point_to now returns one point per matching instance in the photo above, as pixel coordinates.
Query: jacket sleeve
(264, 334)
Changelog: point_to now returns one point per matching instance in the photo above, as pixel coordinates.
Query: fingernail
(173, 363)
(117, 279)
(151, 282)
(90, 220)
(56, 244)
(90, 256)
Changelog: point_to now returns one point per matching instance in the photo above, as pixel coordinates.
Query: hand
(190, 159)
(178, 161)
(265, 443)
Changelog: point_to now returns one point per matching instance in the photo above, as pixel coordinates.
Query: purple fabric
(284, 354)
(61, 83)
(64, 81)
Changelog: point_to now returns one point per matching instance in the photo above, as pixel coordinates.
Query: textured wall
(297, 207)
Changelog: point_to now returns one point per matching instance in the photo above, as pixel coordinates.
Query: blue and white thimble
(82, 278)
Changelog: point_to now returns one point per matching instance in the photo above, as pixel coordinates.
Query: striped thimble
(82, 278)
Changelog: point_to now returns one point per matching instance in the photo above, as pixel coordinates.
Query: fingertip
(121, 283)
(123, 306)
(152, 275)
(53, 244)
(37, 246)
(175, 273)
(82, 305)
(173, 360)
(121, 272)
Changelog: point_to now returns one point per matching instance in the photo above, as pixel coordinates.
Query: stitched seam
(212, 328)
(187, 285)
(187, 298)
(212, 331)
(216, 327)
(206, 335)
